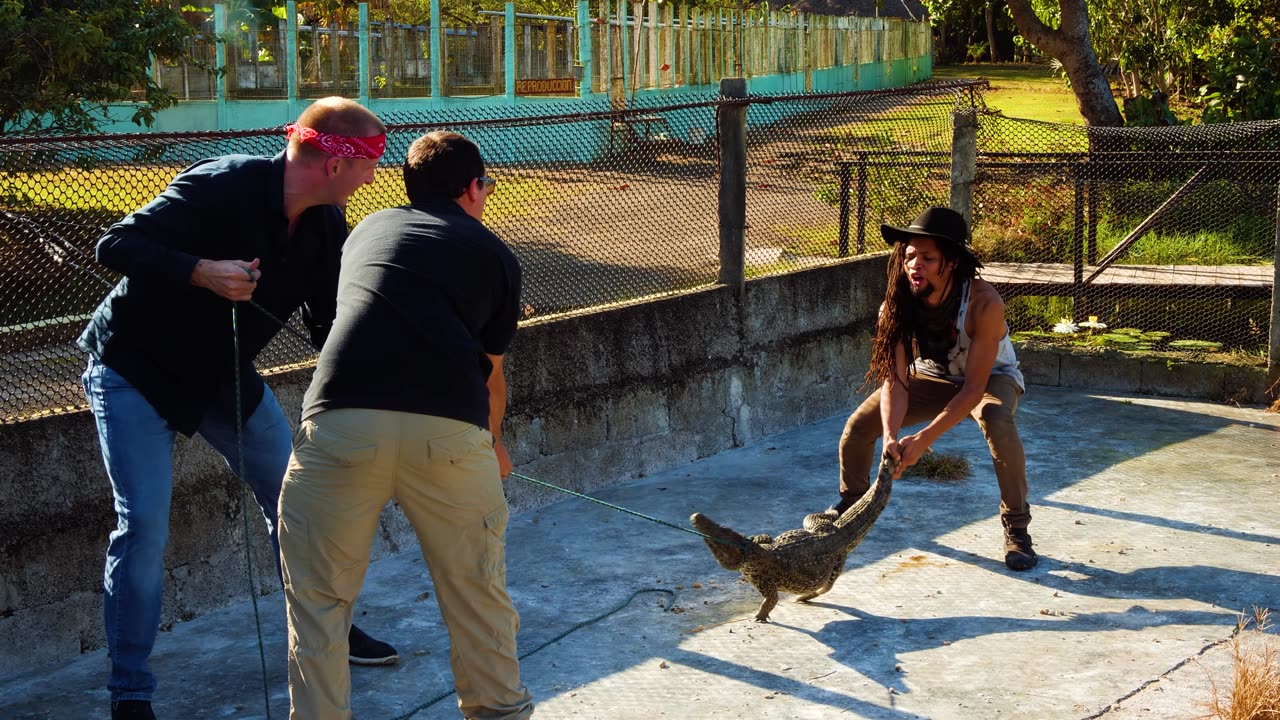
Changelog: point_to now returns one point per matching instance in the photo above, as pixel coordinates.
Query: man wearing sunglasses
(407, 402)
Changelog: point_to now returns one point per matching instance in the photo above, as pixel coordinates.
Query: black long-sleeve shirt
(173, 341)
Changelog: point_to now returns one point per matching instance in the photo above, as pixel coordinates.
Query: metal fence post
(1091, 193)
(731, 121)
(291, 57)
(1081, 302)
(862, 202)
(509, 47)
(437, 58)
(584, 47)
(220, 60)
(843, 250)
(364, 32)
(1273, 354)
(964, 160)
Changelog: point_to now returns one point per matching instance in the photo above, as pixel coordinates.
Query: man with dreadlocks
(941, 352)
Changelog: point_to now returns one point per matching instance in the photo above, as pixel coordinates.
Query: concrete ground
(1156, 520)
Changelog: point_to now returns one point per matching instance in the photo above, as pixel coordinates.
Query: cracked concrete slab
(1155, 518)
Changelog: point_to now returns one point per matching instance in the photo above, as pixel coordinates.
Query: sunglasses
(487, 182)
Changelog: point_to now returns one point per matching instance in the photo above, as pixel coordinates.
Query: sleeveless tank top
(1006, 361)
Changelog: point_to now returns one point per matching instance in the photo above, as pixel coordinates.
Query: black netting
(823, 172)
(1165, 236)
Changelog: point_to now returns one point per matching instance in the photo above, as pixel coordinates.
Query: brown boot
(1018, 555)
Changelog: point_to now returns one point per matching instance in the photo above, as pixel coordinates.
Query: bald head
(334, 116)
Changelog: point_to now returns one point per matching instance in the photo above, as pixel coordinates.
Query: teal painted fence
(621, 55)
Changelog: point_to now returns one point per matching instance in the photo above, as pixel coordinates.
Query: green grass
(1203, 247)
(824, 240)
(1021, 90)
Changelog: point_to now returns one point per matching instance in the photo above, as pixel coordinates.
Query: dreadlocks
(902, 316)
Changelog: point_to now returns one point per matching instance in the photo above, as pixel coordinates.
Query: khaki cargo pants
(346, 465)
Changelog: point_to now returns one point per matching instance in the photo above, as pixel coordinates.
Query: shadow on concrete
(856, 643)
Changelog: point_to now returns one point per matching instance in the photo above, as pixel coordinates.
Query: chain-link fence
(1165, 235)
(401, 60)
(824, 171)
(1146, 239)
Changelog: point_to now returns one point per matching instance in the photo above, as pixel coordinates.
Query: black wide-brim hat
(937, 222)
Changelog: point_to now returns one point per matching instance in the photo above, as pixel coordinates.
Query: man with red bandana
(163, 358)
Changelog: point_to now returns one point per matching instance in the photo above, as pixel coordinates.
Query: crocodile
(805, 561)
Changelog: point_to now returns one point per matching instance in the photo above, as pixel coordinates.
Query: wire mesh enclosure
(194, 79)
(328, 60)
(401, 60)
(824, 171)
(622, 48)
(1148, 240)
(473, 59)
(256, 60)
(545, 48)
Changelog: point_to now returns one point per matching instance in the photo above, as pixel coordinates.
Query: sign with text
(546, 86)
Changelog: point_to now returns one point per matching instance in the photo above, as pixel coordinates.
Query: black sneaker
(1018, 555)
(132, 710)
(368, 651)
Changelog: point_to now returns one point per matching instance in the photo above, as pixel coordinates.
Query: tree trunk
(1071, 45)
(991, 30)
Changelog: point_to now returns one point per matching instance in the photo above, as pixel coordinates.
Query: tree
(1242, 60)
(1071, 45)
(63, 61)
(989, 15)
(965, 28)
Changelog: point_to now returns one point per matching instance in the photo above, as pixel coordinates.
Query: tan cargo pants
(346, 465)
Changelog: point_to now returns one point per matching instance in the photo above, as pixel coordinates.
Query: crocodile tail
(854, 524)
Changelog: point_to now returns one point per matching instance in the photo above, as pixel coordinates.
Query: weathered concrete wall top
(594, 399)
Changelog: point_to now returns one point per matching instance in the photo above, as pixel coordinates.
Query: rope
(704, 536)
(244, 493)
(244, 510)
(670, 604)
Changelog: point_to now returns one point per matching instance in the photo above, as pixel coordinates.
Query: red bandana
(369, 148)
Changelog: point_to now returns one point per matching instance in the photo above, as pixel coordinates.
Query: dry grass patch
(1255, 688)
(940, 467)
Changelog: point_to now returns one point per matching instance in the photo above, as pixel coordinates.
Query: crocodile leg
(767, 605)
(826, 587)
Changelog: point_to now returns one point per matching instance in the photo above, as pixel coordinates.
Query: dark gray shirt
(426, 292)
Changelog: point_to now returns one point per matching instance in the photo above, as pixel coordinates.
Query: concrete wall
(1113, 371)
(595, 399)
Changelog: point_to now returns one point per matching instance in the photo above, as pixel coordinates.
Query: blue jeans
(137, 448)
